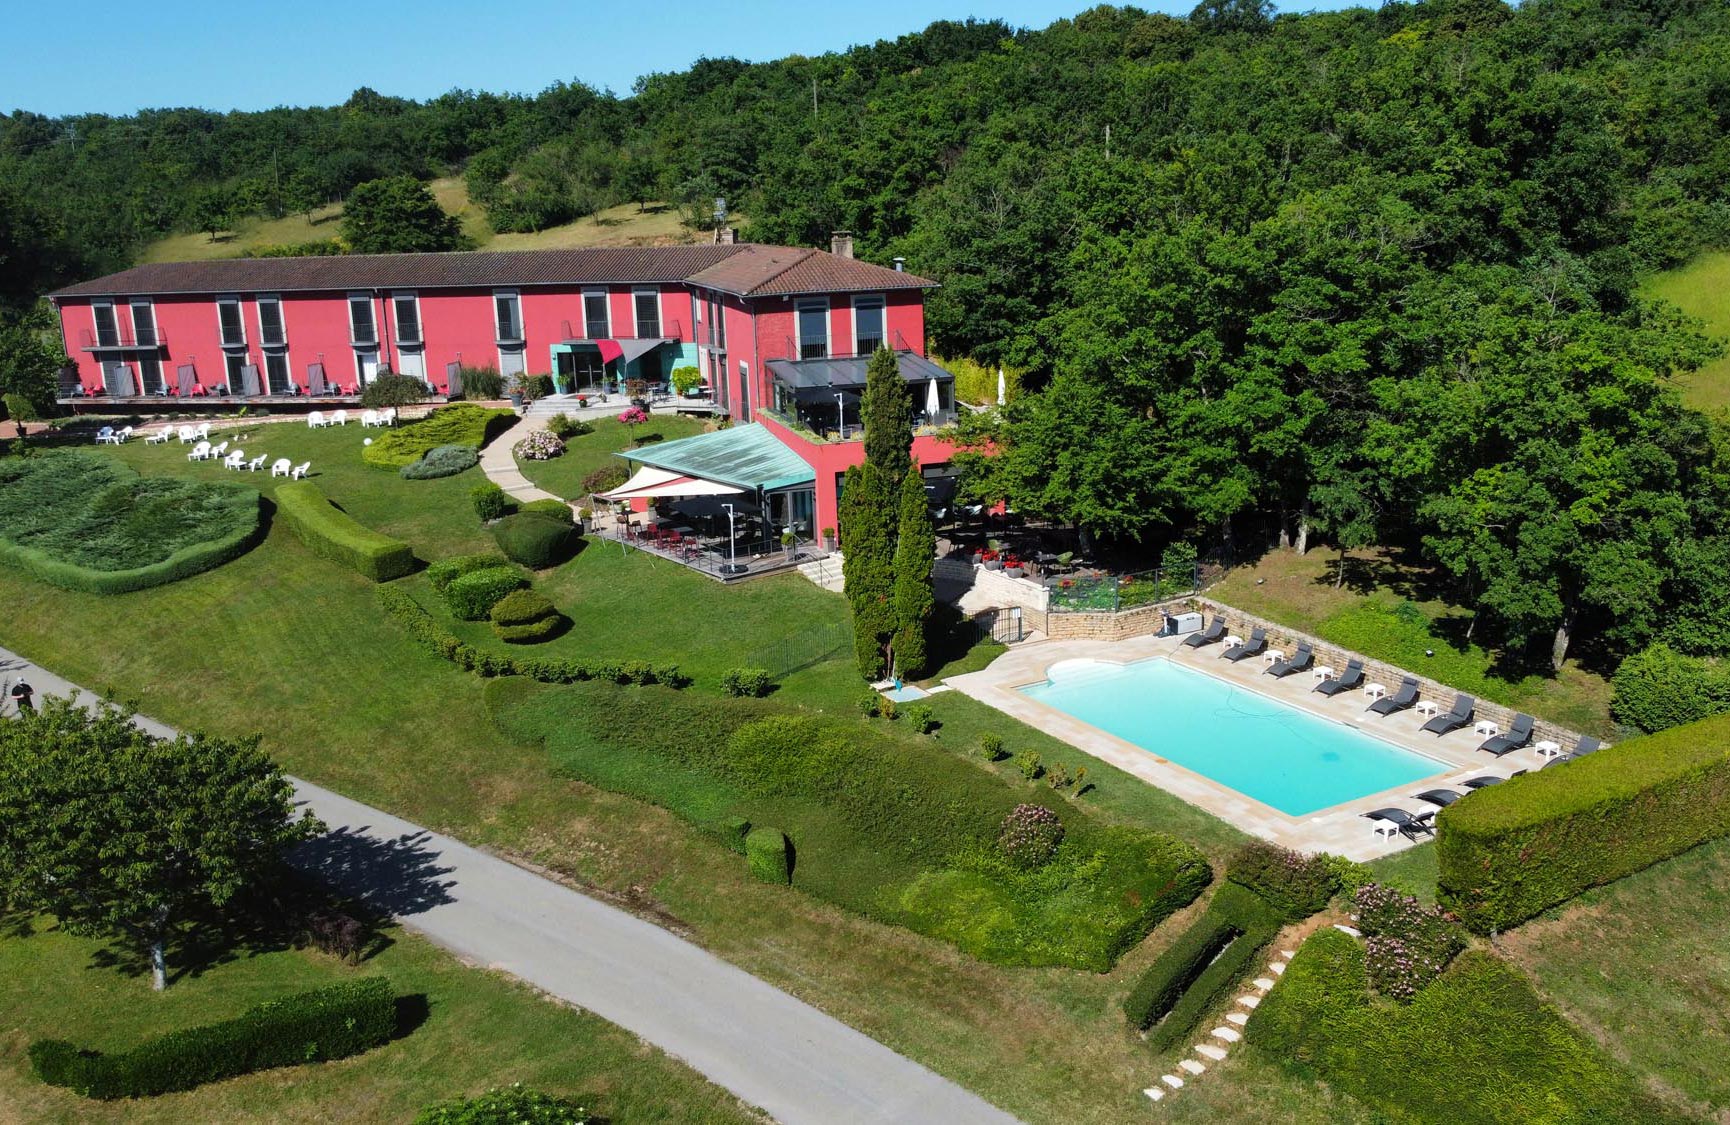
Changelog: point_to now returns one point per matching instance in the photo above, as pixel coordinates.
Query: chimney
(900, 264)
(725, 236)
(841, 244)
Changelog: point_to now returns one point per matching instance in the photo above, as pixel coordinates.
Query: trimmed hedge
(333, 534)
(83, 522)
(1175, 969)
(441, 461)
(446, 571)
(550, 509)
(1294, 884)
(521, 607)
(534, 632)
(1478, 1045)
(472, 596)
(326, 1023)
(1208, 958)
(747, 683)
(508, 1105)
(461, 424)
(548, 670)
(535, 541)
(768, 853)
(489, 500)
(1517, 849)
(732, 831)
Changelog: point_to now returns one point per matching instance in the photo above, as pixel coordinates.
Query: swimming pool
(1289, 759)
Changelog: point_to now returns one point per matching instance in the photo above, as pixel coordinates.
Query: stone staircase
(825, 572)
(1219, 1041)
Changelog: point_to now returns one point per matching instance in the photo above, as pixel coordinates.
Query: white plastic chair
(367, 418)
(216, 451)
(316, 420)
(235, 460)
(200, 452)
(387, 416)
(160, 436)
(122, 435)
(340, 418)
(187, 436)
(203, 431)
(105, 435)
(257, 463)
(280, 467)
(300, 470)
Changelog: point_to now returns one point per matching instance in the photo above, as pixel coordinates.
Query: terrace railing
(1113, 593)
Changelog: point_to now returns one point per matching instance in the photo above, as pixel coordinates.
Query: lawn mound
(461, 424)
(87, 523)
(879, 824)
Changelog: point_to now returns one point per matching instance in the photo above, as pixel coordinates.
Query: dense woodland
(1365, 277)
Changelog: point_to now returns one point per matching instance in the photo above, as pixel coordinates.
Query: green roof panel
(744, 456)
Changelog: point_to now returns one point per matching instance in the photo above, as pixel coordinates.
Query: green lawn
(479, 1030)
(1702, 289)
(563, 476)
(1386, 612)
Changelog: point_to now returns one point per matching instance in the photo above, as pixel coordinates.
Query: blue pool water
(1294, 761)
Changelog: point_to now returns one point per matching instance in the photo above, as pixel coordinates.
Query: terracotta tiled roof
(745, 269)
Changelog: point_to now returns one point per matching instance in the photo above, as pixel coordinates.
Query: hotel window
(407, 308)
(234, 361)
(508, 312)
(361, 328)
(107, 333)
(276, 372)
(150, 375)
(718, 322)
(868, 332)
(228, 320)
(813, 329)
(596, 323)
(143, 324)
(270, 332)
(648, 309)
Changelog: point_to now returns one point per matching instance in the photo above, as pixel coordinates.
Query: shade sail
(627, 350)
(747, 456)
(651, 482)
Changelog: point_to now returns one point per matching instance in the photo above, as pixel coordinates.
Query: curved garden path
(770, 1049)
(500, 465)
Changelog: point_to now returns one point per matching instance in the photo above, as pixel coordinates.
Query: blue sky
(104, 57)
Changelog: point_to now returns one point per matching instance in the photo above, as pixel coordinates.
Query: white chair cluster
(318, 419)
(190, 434)
(108, 435)
(385, 417)
(236, 459)
(282, 467)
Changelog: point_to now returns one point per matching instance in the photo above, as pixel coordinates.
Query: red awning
(610, 350)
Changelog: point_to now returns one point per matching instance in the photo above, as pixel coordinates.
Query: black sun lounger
(1399, 701)
(1481, 782)
(1214, 632)
(1464, 706)
(1300, 661)
(1252, 647)
(1517, 736)
(1352, 677)
(1408, 824)
(1441, 798)
(1586, 745)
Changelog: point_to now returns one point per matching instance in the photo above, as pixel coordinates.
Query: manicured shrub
(1029, 836)
(1407, 943)
(1476, 1046)
(606, 478)
(747, 682)
(489, 500)
(443, 572)
(769, 854)
(442, 461)
(564, 427)
(548, 670)
(88, 523)
(732, 831)
(326, 1023)
(1029, 764)
(535, 541)
(921, 718)
(532, 633)
(336, 933)
(331, 533)
(1295, 884)
(506, 1105)
(387, 388)
(1519, 848)
(460, 424)
(1208, 958)
(1660, 688)
(550, 509)
(542, 445)
(870, 703)
(521, 607)
(991, 748)
(472, 596)
(1225, 973)
(1164, 982)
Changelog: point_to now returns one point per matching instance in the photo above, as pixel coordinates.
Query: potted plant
(788, 539)
(582, 400)
(1012, 567)
(991, 559)
(584, 516)
(828, 539)
(515, 392)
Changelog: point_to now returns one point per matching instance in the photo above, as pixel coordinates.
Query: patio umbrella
(933, 401)
(1001, 387)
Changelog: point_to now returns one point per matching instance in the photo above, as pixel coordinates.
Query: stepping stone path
(1347, 930)
(1223, 1037)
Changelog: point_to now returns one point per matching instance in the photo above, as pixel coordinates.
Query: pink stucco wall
(829, 459)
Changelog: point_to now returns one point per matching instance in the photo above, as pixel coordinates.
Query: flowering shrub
(1029, 836)
(1407, 944)
(633, 416)
(542, 445)
(1295, 884)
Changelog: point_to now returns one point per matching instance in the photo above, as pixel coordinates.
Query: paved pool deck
(1340, 829)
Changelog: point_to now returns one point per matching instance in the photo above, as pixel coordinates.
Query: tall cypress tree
(887, 412)
(915, 557)
(867, 566)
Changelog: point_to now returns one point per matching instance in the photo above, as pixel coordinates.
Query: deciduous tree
(398, 215)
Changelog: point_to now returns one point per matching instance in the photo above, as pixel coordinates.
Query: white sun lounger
(160, 436)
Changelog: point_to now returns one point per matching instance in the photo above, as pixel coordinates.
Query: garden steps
(1226, 1034)
(1191, 1067)
(1172, 1080)
(1237, 1018)
(1347, 930)
(1249, 1001)
(824, 573)
(1209, 1051)
(1154, 1092)
(1263, 983)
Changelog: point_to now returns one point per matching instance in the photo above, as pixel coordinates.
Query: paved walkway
(500, 465)
(770, 1049)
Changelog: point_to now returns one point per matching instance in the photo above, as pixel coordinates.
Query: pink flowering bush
(1407, 944)
(542, 445)
(633, 416)
(1295, 884)
(1029, 836)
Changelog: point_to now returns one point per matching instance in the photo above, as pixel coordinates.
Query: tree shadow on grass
(393, 877)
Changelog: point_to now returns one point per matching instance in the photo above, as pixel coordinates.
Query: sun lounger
(1517, 736)
(1408, 824)
(280, 467)
(1441, 798)
(200, 452)
(1586, 745)
(1299, 661)
(300, 470)
(1464, 706)
(1406, 697)
(1213, 633)
(105, 436)
(1352, 677)
(1252, 647)
(1482, 782)
(160, 436)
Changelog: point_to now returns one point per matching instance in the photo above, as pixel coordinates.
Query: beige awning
(650, 481)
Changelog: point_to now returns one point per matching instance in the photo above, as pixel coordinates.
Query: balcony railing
(811, 424)
(670, 330)
(846, 349)
(121, 339)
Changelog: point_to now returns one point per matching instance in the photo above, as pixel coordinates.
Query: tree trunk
(1302, 545)
(1559, 646)
(158, 966)
(1284, 532)
(1340, 574)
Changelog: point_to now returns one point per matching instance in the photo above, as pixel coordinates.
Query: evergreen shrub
(489, 500)
(747, 682)
(768, 853)
(441, 461)
(534, 540)
(1659, 688)
(331, 533)
(461, 424)
(472, 596)
(443, 572)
